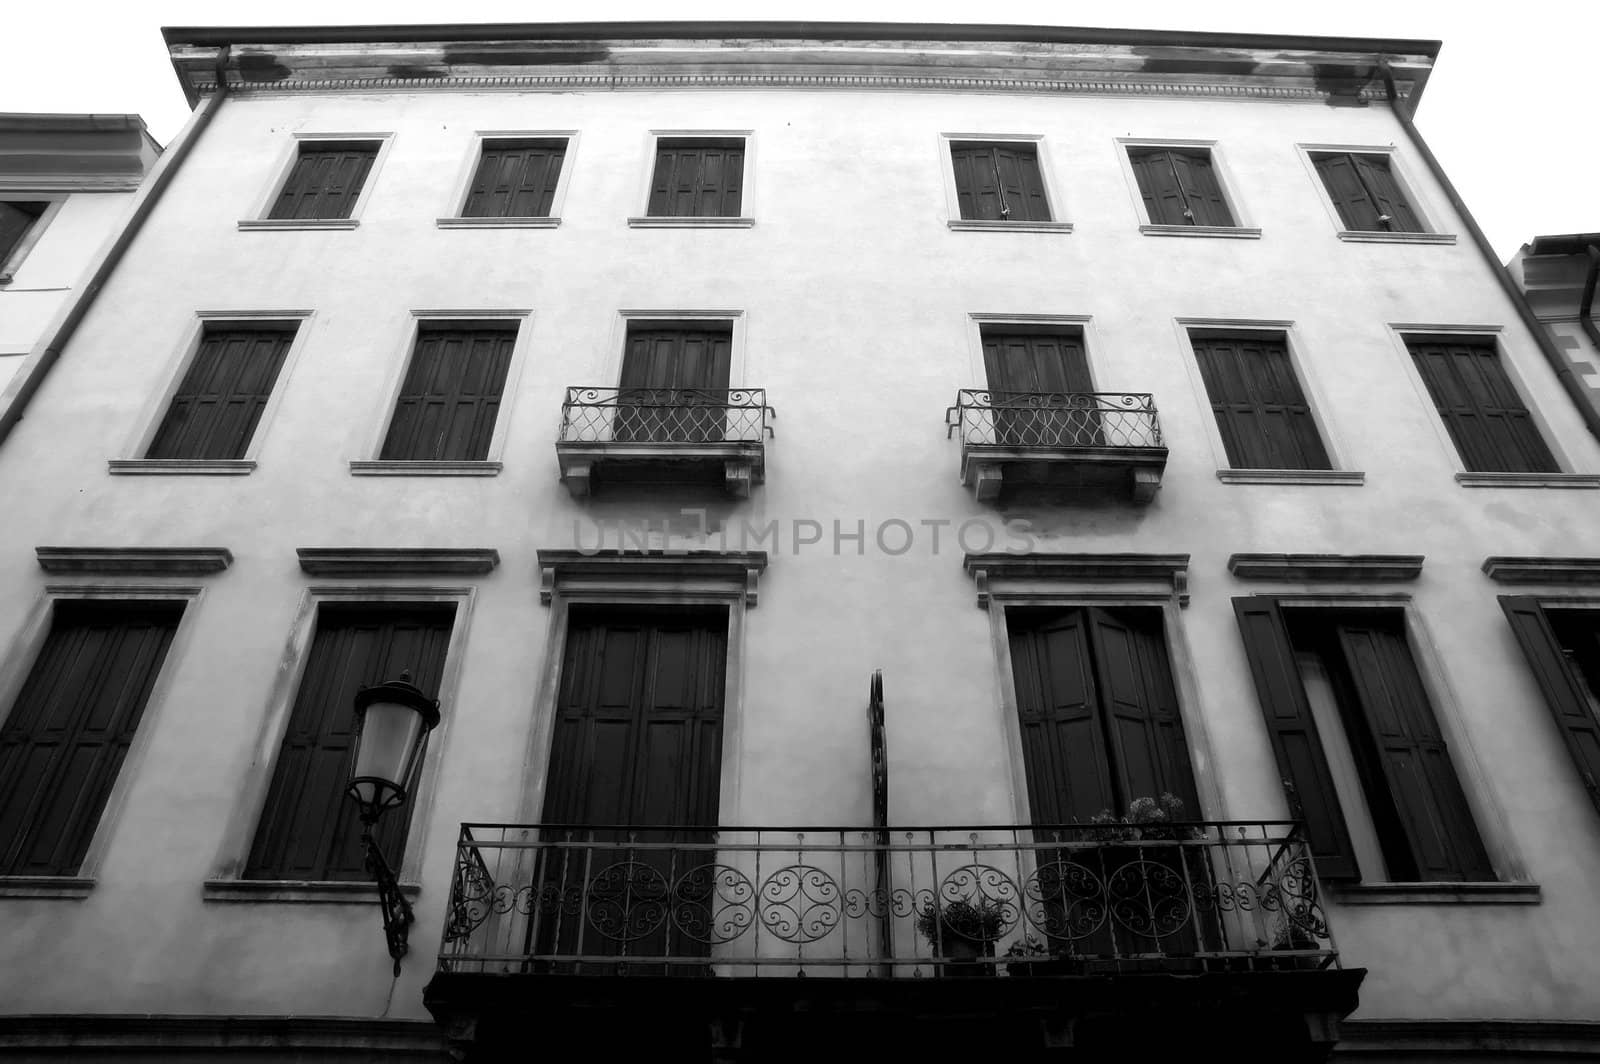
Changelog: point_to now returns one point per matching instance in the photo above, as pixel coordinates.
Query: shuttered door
(1492, 430)
(65, 738)
(516, 180)
(325, 182)
(451, 396)
(1030, 377)
(638, 743)
(217, 406)
(1068, 768)
(1293, 733)
(998, 182)
(674, 385)
(309, 829)
(1562, 686)
(1422, 782)
(1140, 704)
(1261, 412)
(697, 179)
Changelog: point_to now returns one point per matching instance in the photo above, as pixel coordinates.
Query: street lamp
(392, 722)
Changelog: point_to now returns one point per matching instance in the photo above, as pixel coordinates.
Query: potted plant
(1155, 888)
(962, 931)
(1029, 957)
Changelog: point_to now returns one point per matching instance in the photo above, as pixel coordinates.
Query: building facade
(1143, 406)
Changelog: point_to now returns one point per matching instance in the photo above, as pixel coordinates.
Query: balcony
(1075, 440)
(762, 936)
(653, 435)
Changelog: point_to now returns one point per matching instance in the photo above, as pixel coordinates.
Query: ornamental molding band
(1507, 569)
(134, 561)
(1020, 576)
(1323, 568)
(663, 576)
(396, 561)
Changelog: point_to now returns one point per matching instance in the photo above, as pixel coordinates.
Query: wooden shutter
(1356, 210)
(1140, 707)
(1022, 182)
(1064, 752)
(674, 384)
(217, 406)
(1293, 732)
(1197, 177)
(309, 829)
(977, 182)
(16, 218)
(1378, 177)
(1158, 186)
(1422, 782)
(999, 182)
(451, 396)
(1024, 367)
(1492, 430)
(1261, 412)
(63, 743)
(1562, 687)
(516, 179)
(325, 181)
(698, 178)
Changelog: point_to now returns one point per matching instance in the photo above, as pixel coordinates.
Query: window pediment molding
(729, 574)
(1513, 569)
(396, 561)
(1315, 568)
(1014, 576)
(134, 561)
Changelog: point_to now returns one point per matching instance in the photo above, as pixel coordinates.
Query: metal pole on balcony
(880, 818)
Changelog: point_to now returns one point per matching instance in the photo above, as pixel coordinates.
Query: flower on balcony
(1145, 820)
(979, 921)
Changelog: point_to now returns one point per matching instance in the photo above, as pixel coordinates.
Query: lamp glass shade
(389, 738)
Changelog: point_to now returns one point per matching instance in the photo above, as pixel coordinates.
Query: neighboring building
(66, 182)
(1141, 404)
(1558, 274)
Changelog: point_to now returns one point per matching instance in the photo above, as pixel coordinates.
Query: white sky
(1506, 110)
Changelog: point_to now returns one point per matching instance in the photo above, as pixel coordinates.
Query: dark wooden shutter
(1068, 770)
(1422, 782)
(1356, 210)
(1261, 412)
(1378, 177)
(1491, 428)
(217, 406)
(999, 182)
(1022, 182)
(1293, 733)
(309, 829)
(1562, 687)
(325, 182)
(516, 180)
(65, 738)
(976, 192)
(1158, 186)
(698, 178)
(1026, 371)
(674, 384)
(1197, 176)
(451, 396)
(1140, 705)
(16, 218)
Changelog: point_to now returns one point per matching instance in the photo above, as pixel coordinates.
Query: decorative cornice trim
(134, 561)
(735, 571)
(1324, 568)
(1510, 569)
(396, 561)
(1169, 569)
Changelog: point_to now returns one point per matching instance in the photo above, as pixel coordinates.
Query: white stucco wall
(47, 276)
(856, 300)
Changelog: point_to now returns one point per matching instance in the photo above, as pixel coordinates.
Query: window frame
(520, 322)
(1241, 228)
(1053, 199)
(1563, 477)
(455, 219)
(12, 262)
(22, 651)
(155, 409)
(226, 883)
(1505, 859)
(260, 218)
(747, 187)
(1339, 471)
(1431, 233)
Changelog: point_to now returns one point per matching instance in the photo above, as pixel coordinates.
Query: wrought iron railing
(1084, 899)
(665, 415)
(1054, 419)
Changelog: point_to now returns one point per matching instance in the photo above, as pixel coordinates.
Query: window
(1180, 186)
(450, 399)
(1563, 649)
(999, 182)
(308, 829)
(325, 181)
(216, 408)
(1350, 722)
(1260, 408)
(1366, 192)
(516, 178)
(1492, 430)
(64, 740)
(698, 177)
(20, 223)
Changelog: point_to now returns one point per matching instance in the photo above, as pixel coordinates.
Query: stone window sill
(1292, 476)
(974, 225)
(1436, 893)
(392, 468)
(1236, 232)
(271, 224)
(691, 223)
(1357, 236)
(67, 887)
(499, 223)
(1528, 480)
(186, 467)
(300, 891)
